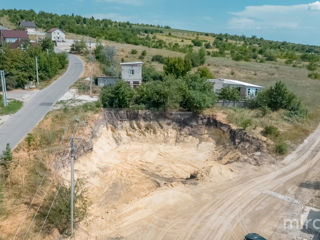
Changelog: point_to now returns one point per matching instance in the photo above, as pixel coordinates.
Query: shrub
(271, 131)
(134, 51)
(59, 215)
(279, 97)
(314, 75)
(205, 72)
(79, 47)
(118, 96)
(281, 148)
(158, 58)
(177, 66)
(6, 159)
(246, 123)
(150, 74)
(229, 94)
(196, 58)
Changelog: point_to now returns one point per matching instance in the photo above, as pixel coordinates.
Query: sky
(283, 20)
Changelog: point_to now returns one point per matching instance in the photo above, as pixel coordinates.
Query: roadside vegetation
(34, 164)
(20, 67)
(13, 106)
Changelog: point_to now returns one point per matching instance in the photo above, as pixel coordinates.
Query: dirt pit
(140, 171)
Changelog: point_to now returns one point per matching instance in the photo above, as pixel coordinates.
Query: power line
(45, 220)
(25, 217)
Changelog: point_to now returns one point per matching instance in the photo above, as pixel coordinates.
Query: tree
(47, 44)
(118, 96)
(229, 94)
(79, 47)
(279, 97)
(177, 66)
(205, 72)
(150, 74)
(6, 159)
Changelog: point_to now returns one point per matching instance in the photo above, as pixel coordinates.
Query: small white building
(56, 35)
(131, 72)
(247, 90)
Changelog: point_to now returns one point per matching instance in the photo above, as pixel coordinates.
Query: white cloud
(292, 17)
(128, 2)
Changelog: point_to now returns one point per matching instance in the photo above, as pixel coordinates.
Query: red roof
(14, 34)
(53, 29)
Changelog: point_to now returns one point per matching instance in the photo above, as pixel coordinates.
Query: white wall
(129, 76)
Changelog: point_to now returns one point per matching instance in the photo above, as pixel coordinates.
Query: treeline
(19, 64)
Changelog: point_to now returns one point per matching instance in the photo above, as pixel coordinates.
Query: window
(131, 71)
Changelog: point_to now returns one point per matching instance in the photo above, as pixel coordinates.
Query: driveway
(20, 124)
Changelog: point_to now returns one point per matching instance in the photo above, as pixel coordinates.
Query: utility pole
(37, 72)
(4, 89)
(91, 63)
(72, 182)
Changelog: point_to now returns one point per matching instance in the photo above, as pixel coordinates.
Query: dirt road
(251, 199)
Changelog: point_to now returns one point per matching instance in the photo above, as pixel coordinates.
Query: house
(30, 27)
(11, 36)
(131, 72)
(247, 90)
(56, 35)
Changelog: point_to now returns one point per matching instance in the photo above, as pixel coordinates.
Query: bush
(59, 216)
(6, 159)
(150, 74)
(205, 72)
(314, 75)
(271, 131)
(281, 148)
(158, 58)
(279, 97)
(118, 96)
(79, 47)
(196, 58)
(134, 51)
(229, 94)
(177, 66)
(246, 123)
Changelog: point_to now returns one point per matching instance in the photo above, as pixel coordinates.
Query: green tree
(118, 96)
(6, 159)
(47, 43)
(177, 66)
(79, 47)
(205, 72)
(229, 94)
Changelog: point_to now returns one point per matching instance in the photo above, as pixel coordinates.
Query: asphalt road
(21, 123)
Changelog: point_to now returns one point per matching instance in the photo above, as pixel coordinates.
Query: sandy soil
(166, 185)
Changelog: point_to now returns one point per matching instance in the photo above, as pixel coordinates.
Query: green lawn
(13, 107)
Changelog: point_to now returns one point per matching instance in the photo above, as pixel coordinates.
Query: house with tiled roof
(11, 36)
(56, 35)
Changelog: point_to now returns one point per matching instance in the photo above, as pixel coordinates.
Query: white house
(11, 36)
(56, 35)
(131, 72)
(30, 27)
(247, 90)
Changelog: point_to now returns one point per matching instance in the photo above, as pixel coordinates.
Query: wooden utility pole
(72, 182)
(4, 88)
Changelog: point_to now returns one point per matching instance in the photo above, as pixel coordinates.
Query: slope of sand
(137, 170)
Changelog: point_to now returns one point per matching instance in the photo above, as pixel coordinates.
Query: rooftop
(132, 63)
(235, 82)
(28, 24)
(14, 34)
(53, 29)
